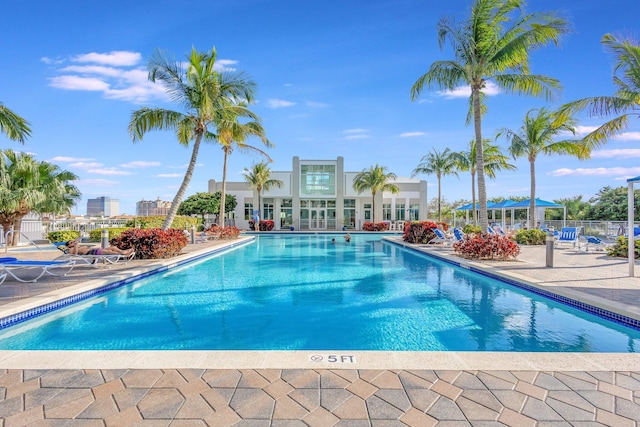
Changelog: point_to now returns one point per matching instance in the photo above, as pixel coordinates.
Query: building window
(286, 213)
(386, 211)
(248, 211)
(400, 214)
(317, 180)
(367, 211)
(350, 213)
(414, 212)
(267, 210)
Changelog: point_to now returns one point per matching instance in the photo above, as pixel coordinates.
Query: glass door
(318, 211)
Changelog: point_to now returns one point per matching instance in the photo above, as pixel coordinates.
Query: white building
(319, 195)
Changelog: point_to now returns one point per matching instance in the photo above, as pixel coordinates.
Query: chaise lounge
(13, 266)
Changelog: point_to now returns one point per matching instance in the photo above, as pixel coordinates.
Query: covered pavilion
(510, 205)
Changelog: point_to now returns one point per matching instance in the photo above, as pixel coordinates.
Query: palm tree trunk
(185, 184)
(482, 189)
(474, 211)
(439, 204)
(373, 207)
(17, 225)
(259, 205)
(532, 195)
(6, 221)
(224, 187)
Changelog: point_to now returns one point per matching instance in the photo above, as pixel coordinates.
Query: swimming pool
(302, 292)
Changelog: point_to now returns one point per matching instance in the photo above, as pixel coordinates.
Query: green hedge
(63, 236)
(180, 221)
(96, 235)
(621, 248)
(531, 237)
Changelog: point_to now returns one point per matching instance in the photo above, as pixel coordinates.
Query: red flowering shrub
(264, 225)
(419, 232)
(378, 226)
(487, 246)
(228, 232)
(152, 243)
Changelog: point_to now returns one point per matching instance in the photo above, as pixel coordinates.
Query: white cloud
(168, 175)
(85, 165)
(139, 164)
(66, 159)
(623, 153)
(108, 171)
(279, 103)
(79, 83)
(616, 171)
(109, 73)
(584, 130)
(628, 136)
(115, 58)
(92, 69)
(225, 65)
(411, 134)
(465, 91)
(354, 131)
(361, 136)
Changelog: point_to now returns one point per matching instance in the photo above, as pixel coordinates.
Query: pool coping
(299, 359)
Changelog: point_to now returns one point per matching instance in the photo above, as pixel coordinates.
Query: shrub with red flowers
(378, 226)
(419, 232)
(487, 246)
(228, 232)
(152, 243)
(264, 225)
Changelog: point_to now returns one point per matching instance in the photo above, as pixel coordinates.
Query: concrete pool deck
(324, 389)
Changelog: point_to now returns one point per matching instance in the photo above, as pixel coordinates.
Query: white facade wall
(412, 191)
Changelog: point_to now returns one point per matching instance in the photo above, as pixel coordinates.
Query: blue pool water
(293, 292)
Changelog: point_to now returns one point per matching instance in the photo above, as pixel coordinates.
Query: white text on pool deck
(332, 358)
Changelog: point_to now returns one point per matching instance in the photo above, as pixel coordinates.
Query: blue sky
(333, 79)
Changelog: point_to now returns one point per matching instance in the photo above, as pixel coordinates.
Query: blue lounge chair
(440, 238)
(11, 266)
(594, 241)
(568, 235)
(458, 235)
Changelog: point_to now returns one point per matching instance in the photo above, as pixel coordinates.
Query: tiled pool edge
(103, 285)
(607, 313)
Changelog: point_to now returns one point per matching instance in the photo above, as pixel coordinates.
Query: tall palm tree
(536, 137)
(15, 127)
(259, 179)
(439, 164)
(494, 161)
(30, 185)
(377, 181)
(626, 99)
(208, 96)
(233, 134)
(492, 45)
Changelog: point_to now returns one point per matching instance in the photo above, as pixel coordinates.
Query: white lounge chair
(594, 241)
(569, 235)
(97, 261)
(11, 267)
(440, 238)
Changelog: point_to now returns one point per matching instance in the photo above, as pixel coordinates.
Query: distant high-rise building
(152, 207)
(103, 206)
